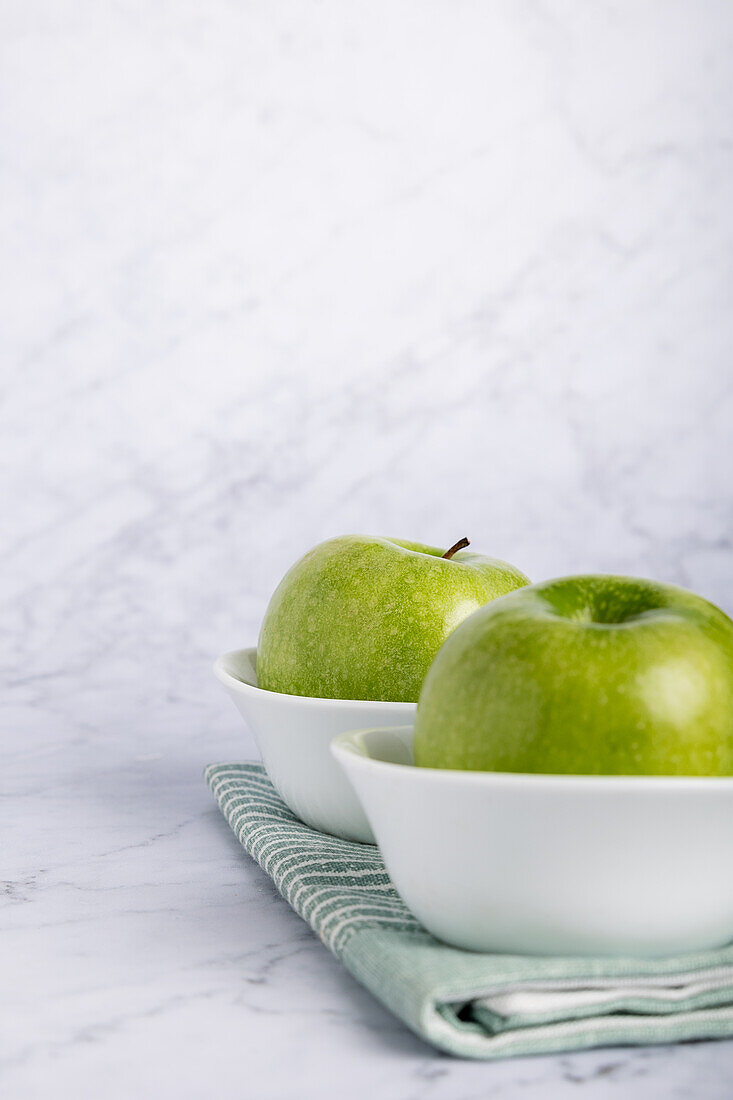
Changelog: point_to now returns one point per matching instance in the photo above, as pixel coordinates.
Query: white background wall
(274, 272)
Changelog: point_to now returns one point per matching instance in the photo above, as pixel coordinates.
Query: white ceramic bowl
(545, 864)
(293, 734)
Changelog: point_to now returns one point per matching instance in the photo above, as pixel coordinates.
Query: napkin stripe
(475, 1005)
(338, 887)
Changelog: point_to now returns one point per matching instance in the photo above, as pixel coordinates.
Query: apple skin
(360, 617)
(588, 675)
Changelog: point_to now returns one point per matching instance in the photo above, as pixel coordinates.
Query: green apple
(591, 675)
(360, 617)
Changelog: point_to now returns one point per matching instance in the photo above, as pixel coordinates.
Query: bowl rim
(245, 686)
(343, 748)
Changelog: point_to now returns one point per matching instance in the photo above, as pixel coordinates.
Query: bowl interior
(240, 665)
(394, 745)
(389, 745)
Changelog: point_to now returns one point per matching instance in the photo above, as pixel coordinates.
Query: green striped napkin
(479, 1006)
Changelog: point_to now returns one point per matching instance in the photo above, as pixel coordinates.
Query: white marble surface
(273, 272)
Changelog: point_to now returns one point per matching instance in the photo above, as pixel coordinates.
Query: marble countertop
(275, 272)
(143, 954)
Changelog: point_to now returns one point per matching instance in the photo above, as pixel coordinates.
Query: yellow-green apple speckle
(362, 617)
(590, 675)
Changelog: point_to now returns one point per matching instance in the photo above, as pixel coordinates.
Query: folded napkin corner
(467, 1004)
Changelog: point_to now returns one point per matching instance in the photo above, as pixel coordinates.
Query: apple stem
(455, 547)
